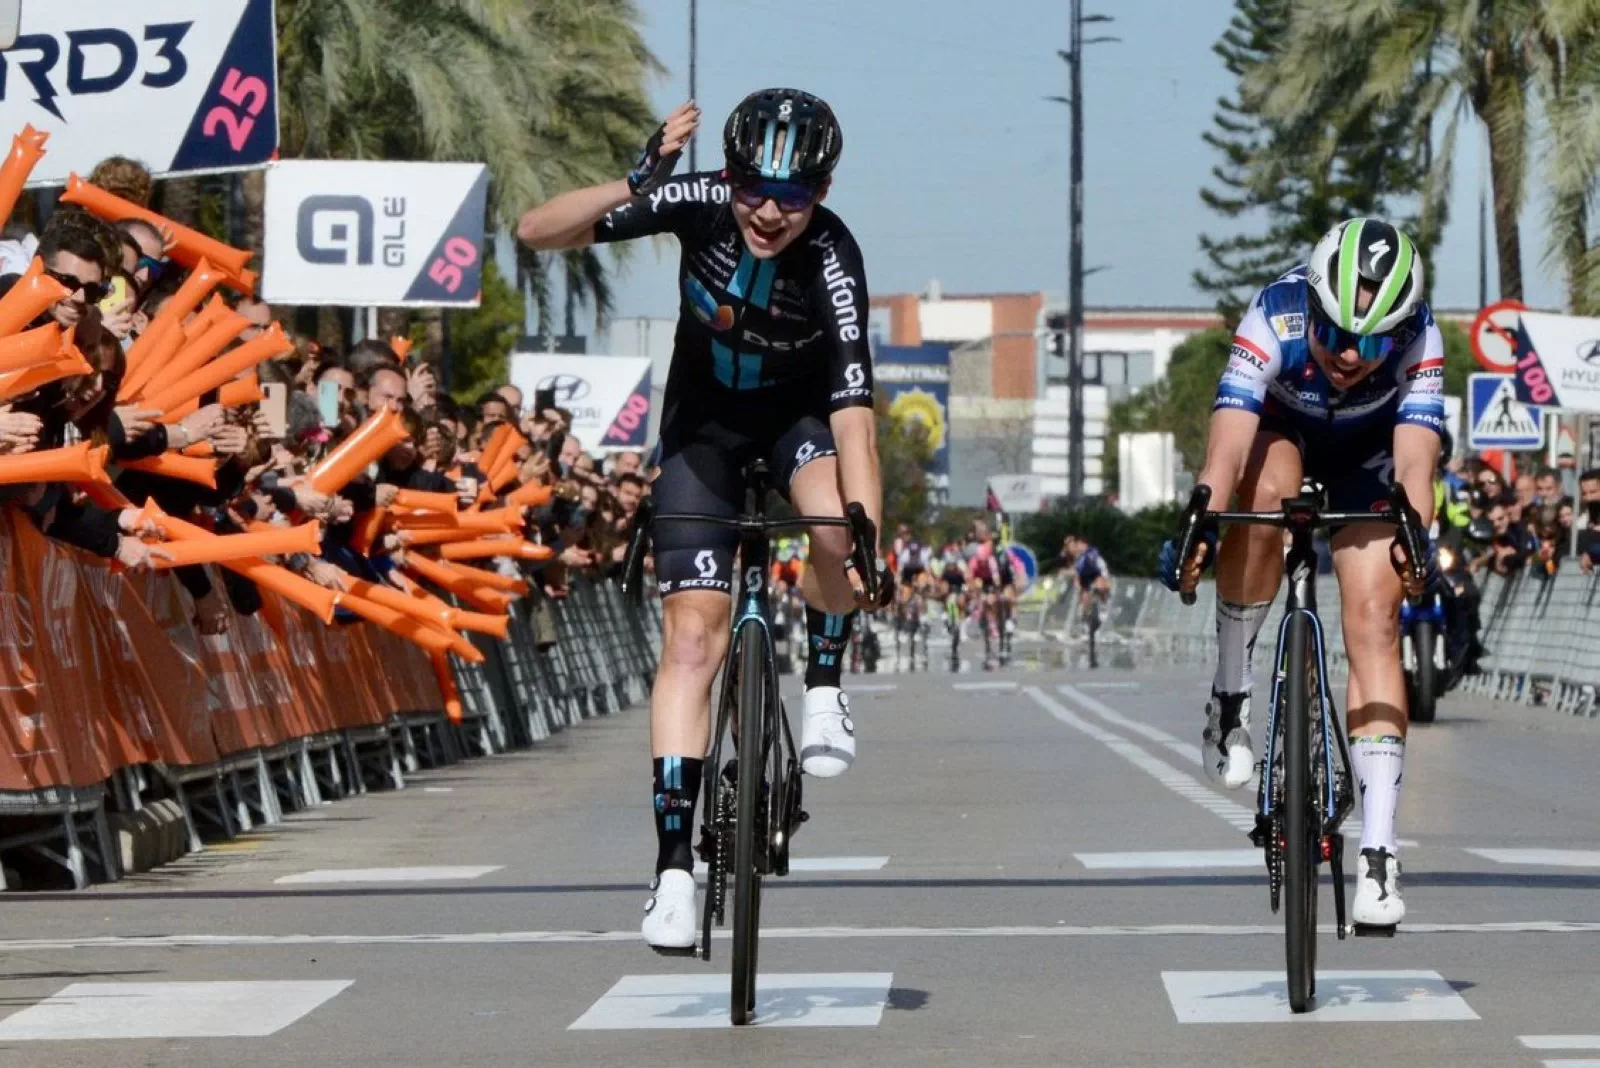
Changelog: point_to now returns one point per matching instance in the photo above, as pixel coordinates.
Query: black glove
(653, 167)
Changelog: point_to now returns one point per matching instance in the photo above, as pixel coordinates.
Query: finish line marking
(471, 938)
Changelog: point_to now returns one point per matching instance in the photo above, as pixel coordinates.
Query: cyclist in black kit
(770, 362)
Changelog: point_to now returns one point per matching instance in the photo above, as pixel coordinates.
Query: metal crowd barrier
(1542, 635)
(566, 660)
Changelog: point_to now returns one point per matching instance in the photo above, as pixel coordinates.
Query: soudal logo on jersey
(1243, 353)
(1427, 369)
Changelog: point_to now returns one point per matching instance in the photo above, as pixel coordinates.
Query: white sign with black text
(608, 396)
(369, 232)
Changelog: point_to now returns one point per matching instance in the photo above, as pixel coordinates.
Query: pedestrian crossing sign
(1496, 419)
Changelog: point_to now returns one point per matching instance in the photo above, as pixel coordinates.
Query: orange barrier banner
(102, 670)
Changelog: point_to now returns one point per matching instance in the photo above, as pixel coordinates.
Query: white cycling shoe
(1378, 902)
(1225, 749)
(828, 737)
(670, 915)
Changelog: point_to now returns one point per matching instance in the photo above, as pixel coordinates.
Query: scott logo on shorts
(705, 562)
(803, 455)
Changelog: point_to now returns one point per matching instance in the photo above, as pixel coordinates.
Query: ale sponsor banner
(371, 232)
(608, 396)
(183, 86)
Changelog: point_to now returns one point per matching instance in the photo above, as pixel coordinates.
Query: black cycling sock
(677, 786)
(830, 637)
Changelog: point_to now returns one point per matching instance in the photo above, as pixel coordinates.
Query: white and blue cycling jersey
(1271, 371)
(1090, 567)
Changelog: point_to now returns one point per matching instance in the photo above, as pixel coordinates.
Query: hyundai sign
(608, 396)
(183, 86)
(374, 233)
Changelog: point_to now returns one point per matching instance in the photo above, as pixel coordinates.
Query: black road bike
(750, 806)
(1306, 789)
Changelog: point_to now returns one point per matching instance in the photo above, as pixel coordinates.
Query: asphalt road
(1028, 872)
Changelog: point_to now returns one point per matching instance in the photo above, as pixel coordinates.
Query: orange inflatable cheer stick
(33, 293)
(435, 572)
(477, 550)
(448, 691)
(429, 637)
(401, 347)
(201, 281)
(498, 521)
(531, 495)
(153, 358)
(488, 579)
(27, 148)
(153, 377)
(315, 599)
(415, 539)
(305, 538)
(75, 463)
(498, 437)
(243, 390)
(496, 626)
(271, 343)
(21, 351)
(367, 528)
(367, 444)
(194, 469)
(190, 246)
(435, 502)
(202, 450)
(103, 495)
(216, 308)
(437, 614)
(66, 364)
(504, 474)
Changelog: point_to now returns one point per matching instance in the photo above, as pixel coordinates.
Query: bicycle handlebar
(1298, 513)
(863, 551)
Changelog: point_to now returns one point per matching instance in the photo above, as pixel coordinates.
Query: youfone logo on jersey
(567, 388)
(705, 190)
(184, 85)
(362, 232)
(840, 286)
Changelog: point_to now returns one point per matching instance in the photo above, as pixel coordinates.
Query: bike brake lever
(1189, 533)
(862, 554)
(638, 546)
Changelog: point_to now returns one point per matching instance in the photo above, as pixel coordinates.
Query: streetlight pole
(1074, 59)
(694, 56)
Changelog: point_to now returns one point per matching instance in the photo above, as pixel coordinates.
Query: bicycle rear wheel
(754, 729)
(1302, 832)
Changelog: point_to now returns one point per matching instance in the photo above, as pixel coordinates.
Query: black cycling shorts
(703, 456)
(1355, 471)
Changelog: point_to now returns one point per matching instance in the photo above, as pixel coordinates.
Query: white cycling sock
(1237, 627)
(1378, 763)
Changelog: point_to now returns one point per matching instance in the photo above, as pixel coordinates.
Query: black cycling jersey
(765, 351)
(796, 322)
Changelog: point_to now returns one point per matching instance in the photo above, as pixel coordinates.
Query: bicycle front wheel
(754, 729)
(1301, 828)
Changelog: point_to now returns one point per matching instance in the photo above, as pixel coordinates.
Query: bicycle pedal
(1372, 930)
(677, 951)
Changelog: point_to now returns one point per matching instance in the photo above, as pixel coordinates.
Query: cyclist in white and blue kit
(1337, 372)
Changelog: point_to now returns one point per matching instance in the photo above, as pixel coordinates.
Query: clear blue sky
(955, 166)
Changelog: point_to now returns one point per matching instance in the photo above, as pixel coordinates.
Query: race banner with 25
(373, 232)
(183, 86)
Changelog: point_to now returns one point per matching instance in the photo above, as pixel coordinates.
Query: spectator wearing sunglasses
(144, 254)
(73, 255)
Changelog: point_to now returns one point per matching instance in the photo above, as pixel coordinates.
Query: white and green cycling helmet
(1361, 252)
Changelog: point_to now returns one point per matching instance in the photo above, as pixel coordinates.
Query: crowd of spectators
(118, 275)
(1525, 526)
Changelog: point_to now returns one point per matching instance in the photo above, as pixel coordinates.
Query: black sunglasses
(93, 292)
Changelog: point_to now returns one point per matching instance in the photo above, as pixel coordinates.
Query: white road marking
(1342, 997)
(819, 864)
(872, 687)
(1560, 1041)
(168, 1010)
(1185, 786)
(520, 938)
(1546, 858)
(980, 686)
(1188, 750)
(438, 789)
(1572, 1062)
(1108, 685)
(1170, 859)
(386, 875)
(679, 1002)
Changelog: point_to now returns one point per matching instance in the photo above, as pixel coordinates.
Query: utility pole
(1074, 101)
(694, 58)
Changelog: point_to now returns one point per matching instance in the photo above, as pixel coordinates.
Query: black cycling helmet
(811, 145)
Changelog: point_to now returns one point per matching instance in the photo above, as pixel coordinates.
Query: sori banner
(608, 396)
(372, 232)
(183, 86)
(915, 380)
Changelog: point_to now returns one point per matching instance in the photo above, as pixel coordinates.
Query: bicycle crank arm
(1336, 868)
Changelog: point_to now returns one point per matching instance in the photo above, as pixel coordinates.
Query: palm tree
(1571, 97)
(1458, 56)
(549, 93)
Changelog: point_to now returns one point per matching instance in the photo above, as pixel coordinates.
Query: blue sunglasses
(1371, 347)
(791, 196)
